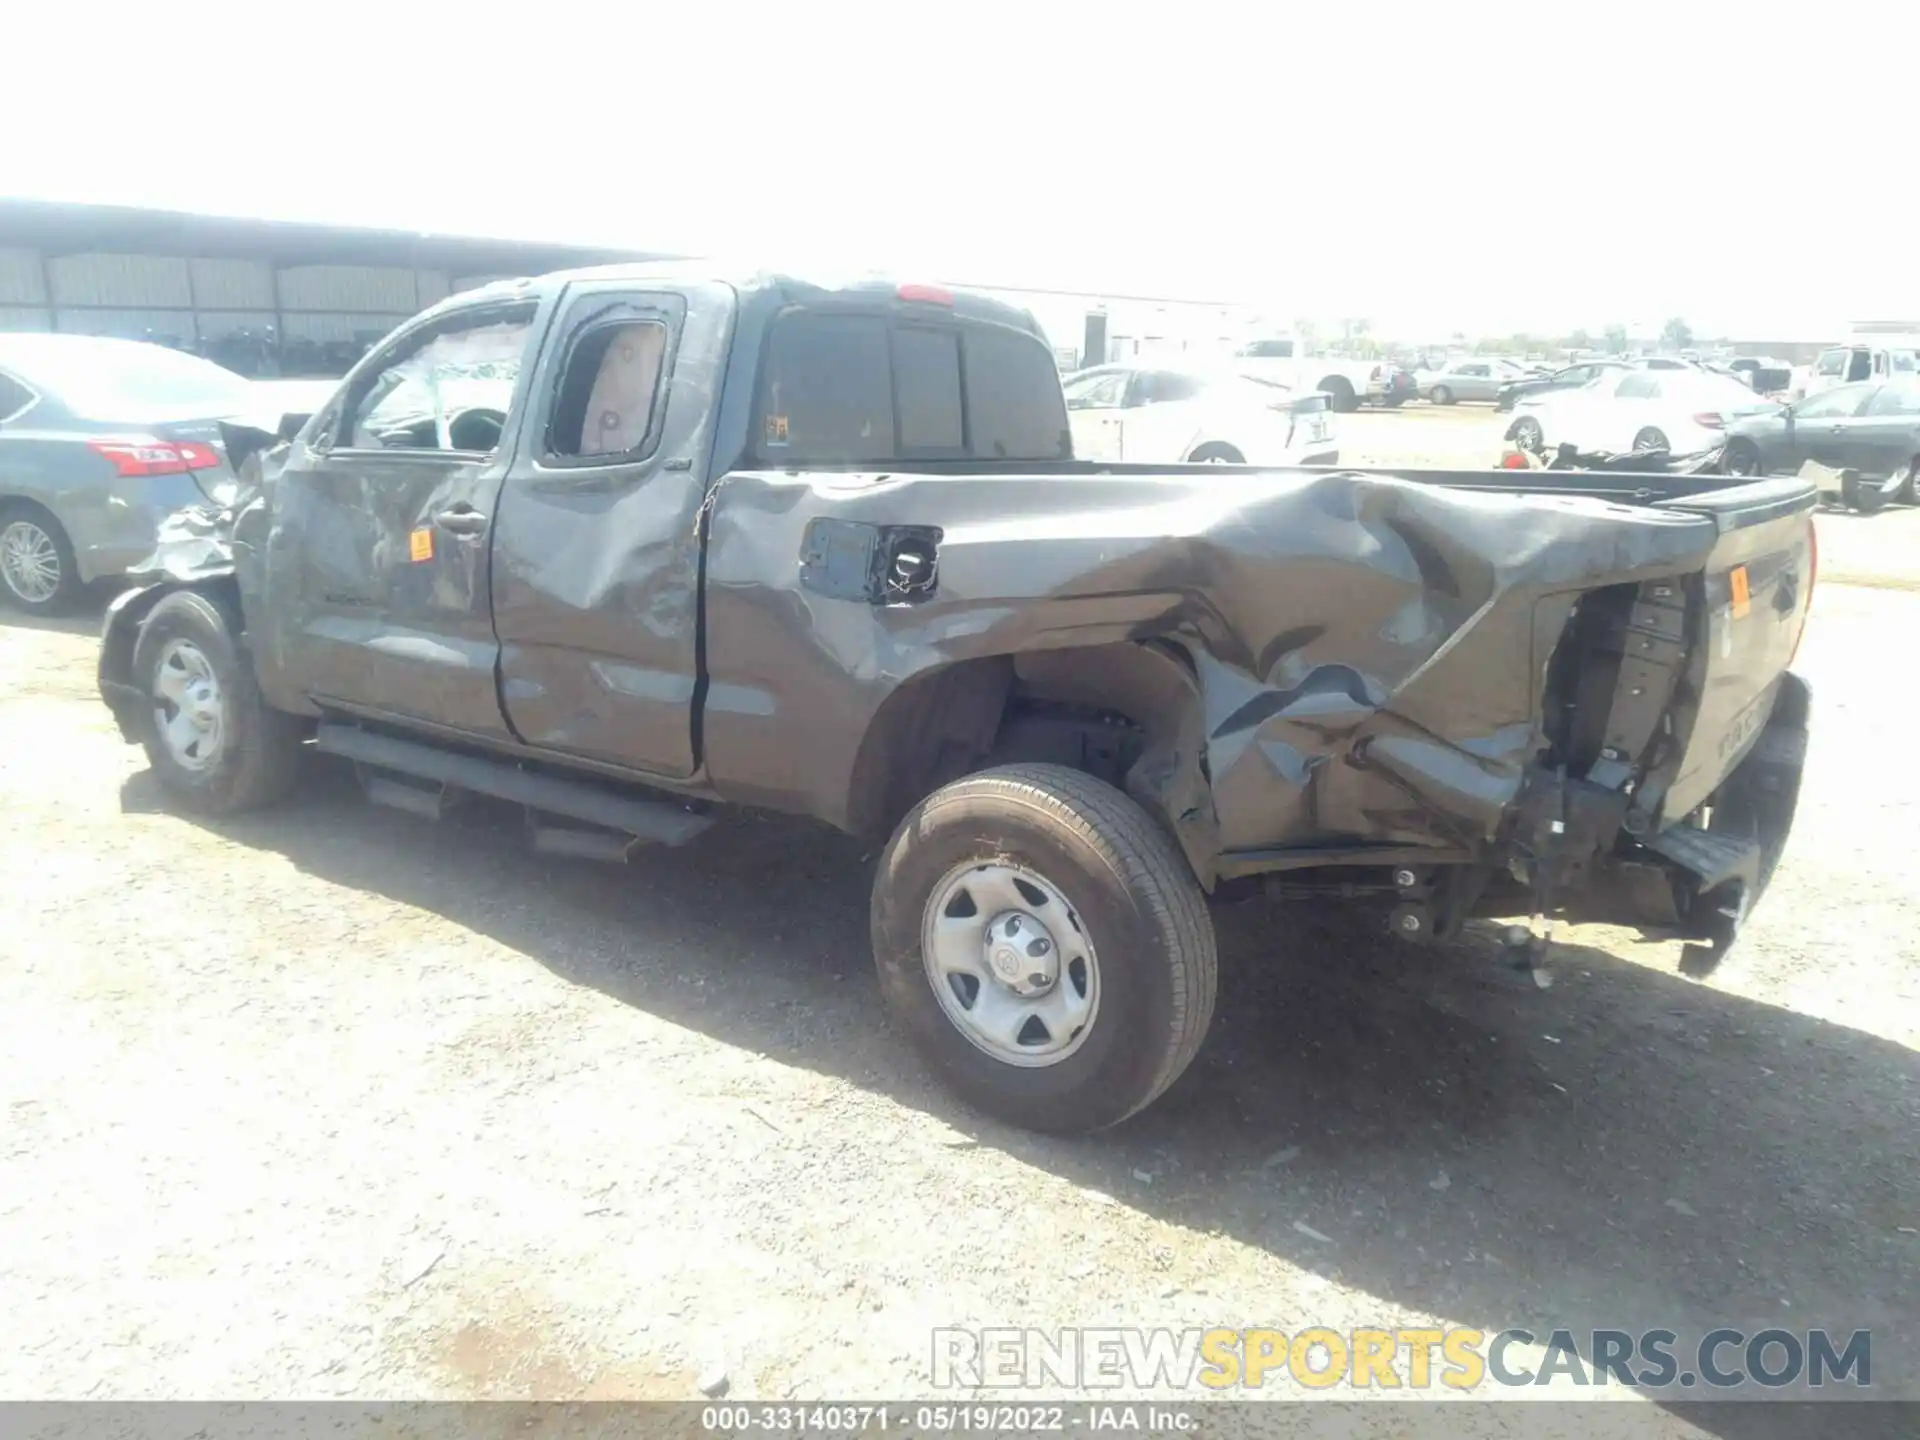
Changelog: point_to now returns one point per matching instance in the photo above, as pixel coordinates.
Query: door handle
(462, 521)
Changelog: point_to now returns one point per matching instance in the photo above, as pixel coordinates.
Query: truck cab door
(1094, 399)
(1824, 427)
(374, 598)
(596, 553)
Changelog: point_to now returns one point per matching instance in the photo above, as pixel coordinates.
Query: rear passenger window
(610, 391)
(1639, 386)
(1013, 398)
(926, 386)
(829, 391)
(858, 389)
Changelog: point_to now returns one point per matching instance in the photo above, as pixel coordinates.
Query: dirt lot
(335, 1102)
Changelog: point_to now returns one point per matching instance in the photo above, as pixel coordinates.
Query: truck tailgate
(1746, 611)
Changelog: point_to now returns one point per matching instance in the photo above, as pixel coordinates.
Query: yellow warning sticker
(776, 429)
(420, 544)
(1742, 600)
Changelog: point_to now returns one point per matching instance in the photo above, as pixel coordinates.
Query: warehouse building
(259, 296)
(267, 297)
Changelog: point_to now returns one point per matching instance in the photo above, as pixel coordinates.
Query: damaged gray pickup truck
(618, 545)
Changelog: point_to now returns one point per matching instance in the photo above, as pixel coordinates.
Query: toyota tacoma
(621, 545)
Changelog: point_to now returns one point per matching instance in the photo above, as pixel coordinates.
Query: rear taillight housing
(1710, 420)
(146, 456)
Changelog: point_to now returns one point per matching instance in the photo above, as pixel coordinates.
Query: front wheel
(37, 567)
(211, 739)
(1526, 434)
(1045, 945)
(1440, 395)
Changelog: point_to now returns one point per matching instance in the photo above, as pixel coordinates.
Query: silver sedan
(100, 441)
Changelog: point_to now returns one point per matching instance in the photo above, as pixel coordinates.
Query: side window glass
(1097, 392)
(827, 395)
(447, 391)
(14, 397)
(1833, 362)
(1638, 386)
(1898, 399)
(1834, 405)
(610, 391)
(1014, 411)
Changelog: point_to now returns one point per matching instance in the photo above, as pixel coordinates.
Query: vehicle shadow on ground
(1627, 1149)
(84, 619)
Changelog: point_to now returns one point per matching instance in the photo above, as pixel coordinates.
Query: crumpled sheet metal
(198, 543)
(1368, 651)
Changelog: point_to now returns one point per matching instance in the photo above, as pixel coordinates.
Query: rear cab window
(859, 387)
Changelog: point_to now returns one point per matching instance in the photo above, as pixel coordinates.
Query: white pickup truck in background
(1348, 384)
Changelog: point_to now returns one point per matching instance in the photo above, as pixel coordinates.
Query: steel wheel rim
(189, 710)
(1010, 963)
(29, 562)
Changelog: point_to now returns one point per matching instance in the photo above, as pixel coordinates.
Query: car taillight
(1710, 420)
(926, 294)
(155, 457)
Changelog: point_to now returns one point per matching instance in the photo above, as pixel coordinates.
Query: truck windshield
(861, 388)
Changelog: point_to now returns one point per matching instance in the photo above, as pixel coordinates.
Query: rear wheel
(1214, 453)
(1741, 459)
(1045, 945)
(1440, 395)
(1526, 434)
(1650, 439)
(211, 739)
(1340, 394)
(37, 568)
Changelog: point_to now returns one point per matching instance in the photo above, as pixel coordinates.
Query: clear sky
(1451, 164)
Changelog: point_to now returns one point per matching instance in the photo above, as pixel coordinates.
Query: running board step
(653, 820)
(1713, 859)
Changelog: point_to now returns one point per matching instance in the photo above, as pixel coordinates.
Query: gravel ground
(334, 1102)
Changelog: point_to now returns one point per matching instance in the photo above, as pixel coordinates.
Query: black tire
(1214, 453)
(257, 758)
(1144, 915)
(1393, 402)
(1741, 458)
(67, 586)
(1650, 439)
(1440, 395)
(1526, 433)
(1866, 498)
(1341, 398)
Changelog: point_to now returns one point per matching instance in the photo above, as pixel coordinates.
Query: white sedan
(1680, 411)
(1165, 417)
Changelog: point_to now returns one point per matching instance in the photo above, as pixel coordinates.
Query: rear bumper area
(1698, 880)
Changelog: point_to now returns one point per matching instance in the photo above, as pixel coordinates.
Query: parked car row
(1622, 409)
(1867, 435)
